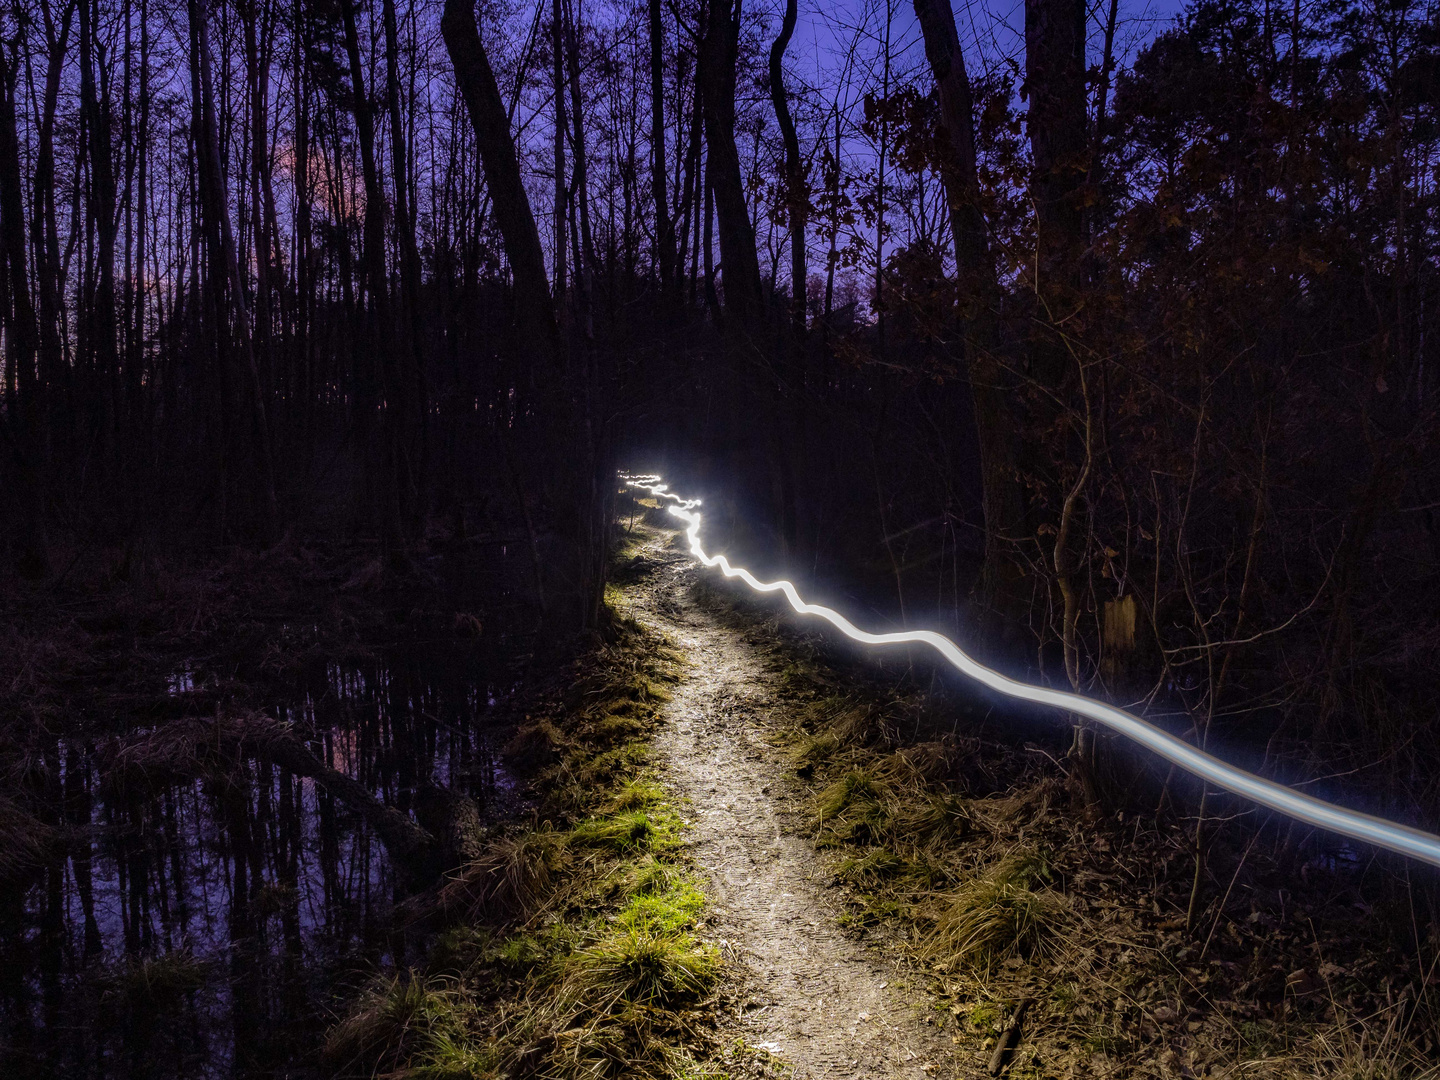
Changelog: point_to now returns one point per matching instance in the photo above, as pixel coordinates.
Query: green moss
(631, 830)
(676, 909)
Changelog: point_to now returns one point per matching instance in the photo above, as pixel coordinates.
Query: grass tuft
(855, 786)
(512, 879)
(999, 914)
(641, 965)
(639, 794)
(411, 1026)
(875, 865)
(629, 830)
(650, 876)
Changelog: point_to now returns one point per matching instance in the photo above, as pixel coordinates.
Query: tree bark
(95, 114)
(413, 374)
(43, 226)
(739, 263)
(220, 238)
(1058, 127)
(584, 242)
(664, 229)
(1002, 496)
(797, 199)
(557, 57)
(24, 347)
(502, 175)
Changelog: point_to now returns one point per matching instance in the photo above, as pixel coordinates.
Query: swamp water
(214, 927)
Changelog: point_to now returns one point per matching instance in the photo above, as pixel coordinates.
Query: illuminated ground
(813, 997)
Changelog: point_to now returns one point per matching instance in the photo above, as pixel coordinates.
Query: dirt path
(818, 1000)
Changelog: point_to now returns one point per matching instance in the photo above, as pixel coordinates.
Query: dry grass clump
(168, 977)
(853, 809)
(650, 876)
(534, 745)
(640, 964)
(411, 1026)
(24, 841)
(846, 721)
(1376, 1047)
(629, 830)
(1006, 911)
(636, 794)
(512, 880)
(875, 865)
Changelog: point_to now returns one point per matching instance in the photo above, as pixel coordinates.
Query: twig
(1010, 1036)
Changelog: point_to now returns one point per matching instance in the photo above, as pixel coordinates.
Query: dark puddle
(213, 928)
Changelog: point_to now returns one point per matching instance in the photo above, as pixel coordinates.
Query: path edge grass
(573, 945)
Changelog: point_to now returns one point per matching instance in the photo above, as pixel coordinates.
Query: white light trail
(1283, 800)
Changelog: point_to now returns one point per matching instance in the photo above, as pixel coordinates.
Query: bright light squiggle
(1294, 804)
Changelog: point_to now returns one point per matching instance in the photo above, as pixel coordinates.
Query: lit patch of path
(819, 1000)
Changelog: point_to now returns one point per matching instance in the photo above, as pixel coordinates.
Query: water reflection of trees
(204, 925)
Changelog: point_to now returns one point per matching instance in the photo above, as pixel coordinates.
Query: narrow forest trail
(815, 998)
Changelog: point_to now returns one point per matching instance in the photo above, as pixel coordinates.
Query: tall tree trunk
(225, 266)
(558, 85)
(1058, 127)
(797, 199)
(388, 394)
(1003, 497)
(739, 263)
(502, 175)
(142, 195)
(257, 78)
(410, 469)
(691, 200)
(303, 300)
(585, 260)
(44, 227)
(95, 114)
(24, 346)
(664, 229)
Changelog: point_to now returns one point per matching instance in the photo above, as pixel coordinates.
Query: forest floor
(900, 900)
(811, 996)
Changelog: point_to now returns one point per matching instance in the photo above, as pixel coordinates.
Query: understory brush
(984, 863)
(577, 945)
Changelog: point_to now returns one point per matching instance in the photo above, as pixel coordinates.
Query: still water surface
(212, 927)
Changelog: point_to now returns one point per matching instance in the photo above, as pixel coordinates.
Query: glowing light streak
(1283, 800)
